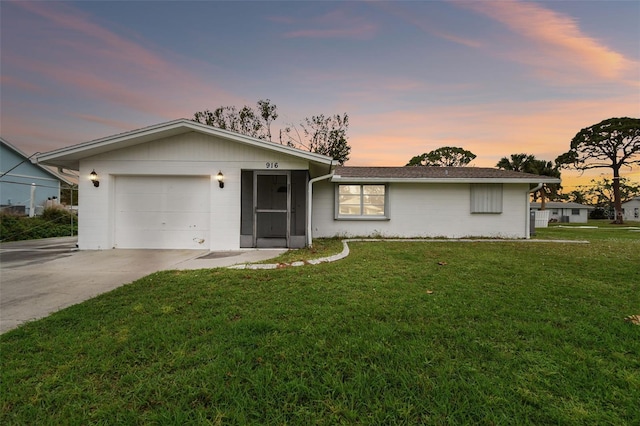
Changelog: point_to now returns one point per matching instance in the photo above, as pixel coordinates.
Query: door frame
(257, 211)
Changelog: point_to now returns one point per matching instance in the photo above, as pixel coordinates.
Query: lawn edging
(345, 249)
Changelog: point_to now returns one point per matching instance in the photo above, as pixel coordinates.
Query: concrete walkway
(39, 277)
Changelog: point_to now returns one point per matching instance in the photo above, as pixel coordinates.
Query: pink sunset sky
(493, 77)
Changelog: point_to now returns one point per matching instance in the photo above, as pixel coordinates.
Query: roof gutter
(537, 188)
(310, 204)
(338, 178)
(63, 173)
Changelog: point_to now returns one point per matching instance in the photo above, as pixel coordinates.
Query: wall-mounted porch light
(93, 176)
(220, 179)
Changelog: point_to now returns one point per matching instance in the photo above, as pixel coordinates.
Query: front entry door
(272, 214)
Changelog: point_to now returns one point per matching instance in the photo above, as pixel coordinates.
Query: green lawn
(396, 333)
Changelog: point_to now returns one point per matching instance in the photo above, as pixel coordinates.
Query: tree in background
(601, 191)
(268, 113)
(549, 191)
(319, 134)
(612, 143)
(518, 162)
(600, 194)
(527, 163)
(446, 156)
(247, 121)
(578, 195)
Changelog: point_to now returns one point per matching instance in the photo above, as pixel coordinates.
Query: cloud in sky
(336, 24)
(27, 86)
(558, 48)
(426, 23)
(495, 77)
(544, 128)
(83, 60)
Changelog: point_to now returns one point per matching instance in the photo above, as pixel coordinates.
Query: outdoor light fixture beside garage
(220, 179)
(93, 176)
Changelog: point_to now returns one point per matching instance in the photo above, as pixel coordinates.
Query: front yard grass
(396, 333)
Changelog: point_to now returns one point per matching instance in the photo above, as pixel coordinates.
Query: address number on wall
(272, 165)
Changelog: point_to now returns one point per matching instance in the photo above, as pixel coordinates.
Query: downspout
(310, 205)
(528, 221)
(537, 188)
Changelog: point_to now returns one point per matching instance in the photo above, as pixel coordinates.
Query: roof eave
(69, 157)
(338, 179)
(32, 159)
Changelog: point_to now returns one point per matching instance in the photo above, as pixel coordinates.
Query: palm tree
(528, 163)
(518, 162)
(545, 168)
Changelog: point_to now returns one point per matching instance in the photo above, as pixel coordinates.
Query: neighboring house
(631, 209)
(19, 177)
(183, 184)
(565, 212)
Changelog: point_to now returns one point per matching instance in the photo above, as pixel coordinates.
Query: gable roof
(425, 174)
(29, 160)
(69, 157)
(631, 199)
(560, 205)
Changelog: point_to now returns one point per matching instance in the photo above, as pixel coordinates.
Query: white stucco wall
(190, 154)
(557, 214)
(630, 209)
(426, 210)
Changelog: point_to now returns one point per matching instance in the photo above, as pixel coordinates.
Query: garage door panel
(162, 212)
(151, 239)
(185, 202)
(138, 202)
(138, 220)
(141, 184)
(164, 220)
(161, 202)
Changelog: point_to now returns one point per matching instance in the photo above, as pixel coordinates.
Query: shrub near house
(54, 222)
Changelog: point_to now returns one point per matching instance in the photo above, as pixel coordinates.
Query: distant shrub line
(54, 222)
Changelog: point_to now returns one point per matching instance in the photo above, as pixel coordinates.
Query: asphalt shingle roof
(560, 205)
(423, 172)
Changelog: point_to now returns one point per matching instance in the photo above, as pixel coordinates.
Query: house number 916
(272, 165)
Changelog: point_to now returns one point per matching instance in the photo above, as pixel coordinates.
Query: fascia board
(32, 160)
(71, 155)
(340, 179)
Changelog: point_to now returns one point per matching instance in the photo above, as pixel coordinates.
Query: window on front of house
(486, 198)
(575, 212)
(361, 201)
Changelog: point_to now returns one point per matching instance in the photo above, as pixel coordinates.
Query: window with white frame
(486, 198)
(361, 201)
(575, 212)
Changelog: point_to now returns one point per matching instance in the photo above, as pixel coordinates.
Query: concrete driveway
(39, 277)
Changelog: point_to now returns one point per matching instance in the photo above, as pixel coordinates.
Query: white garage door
(162, 212)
